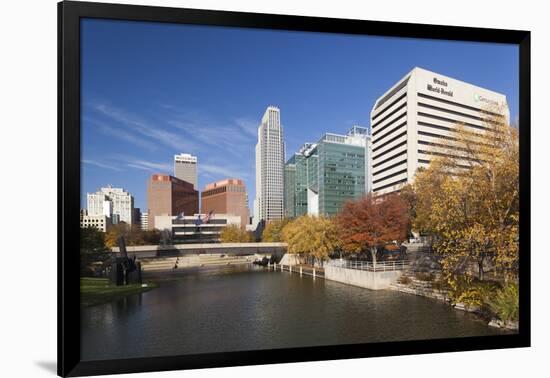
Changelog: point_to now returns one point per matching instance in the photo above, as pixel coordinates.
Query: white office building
(270, 155)
(185, 168)
(115, 203)
(101, 222)
(99, 204)
(144, 221)
(418, 115)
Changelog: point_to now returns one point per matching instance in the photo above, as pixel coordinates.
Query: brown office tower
(168, 195)
(226, 197)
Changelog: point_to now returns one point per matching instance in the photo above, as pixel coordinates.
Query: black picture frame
(69, 15)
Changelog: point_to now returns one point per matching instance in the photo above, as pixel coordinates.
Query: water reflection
(243, 308)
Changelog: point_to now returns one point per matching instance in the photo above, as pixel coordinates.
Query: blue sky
(151, 90)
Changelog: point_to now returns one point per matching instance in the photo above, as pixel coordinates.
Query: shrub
(471, 292)
(470, 297)
(404, 280)
(421, 276)
(439, 284)
(505, 303)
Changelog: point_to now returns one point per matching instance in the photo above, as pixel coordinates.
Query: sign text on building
(440, 88)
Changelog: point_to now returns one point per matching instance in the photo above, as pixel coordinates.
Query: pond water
(247, 307)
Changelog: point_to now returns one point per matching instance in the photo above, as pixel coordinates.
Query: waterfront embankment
(429, 287)
(94, 291)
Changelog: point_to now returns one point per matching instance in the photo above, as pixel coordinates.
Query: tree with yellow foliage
(274, 229)
(133, 235)
(468, 197)
(234, 234)
(312, 237)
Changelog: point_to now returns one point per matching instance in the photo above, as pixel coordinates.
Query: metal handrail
(381, 266)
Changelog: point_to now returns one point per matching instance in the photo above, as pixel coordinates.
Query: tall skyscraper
(168, 195)
(226, 197)
(321, 176)
(270, 155)
(415, 120)
(185, 168)
(115, 203)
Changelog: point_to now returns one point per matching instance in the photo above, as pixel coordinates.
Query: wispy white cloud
(228, 139)
(144, 128)
(149, 166)
(182, 130)
(248, 125)
(232, 135)
(121, 134)
(100, 164)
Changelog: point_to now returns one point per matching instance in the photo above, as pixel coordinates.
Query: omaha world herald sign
(440, 87)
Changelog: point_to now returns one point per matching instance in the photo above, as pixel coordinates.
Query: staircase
(409, 283)
(422, 257)
(159, 264)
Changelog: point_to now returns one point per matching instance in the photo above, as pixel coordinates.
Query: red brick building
(168, 195)
(226, 197)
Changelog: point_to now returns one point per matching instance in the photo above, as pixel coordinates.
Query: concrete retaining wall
(362, 278)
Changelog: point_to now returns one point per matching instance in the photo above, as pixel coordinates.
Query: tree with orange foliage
(372, 222)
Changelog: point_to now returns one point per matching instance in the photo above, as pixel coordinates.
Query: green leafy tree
(93, 251)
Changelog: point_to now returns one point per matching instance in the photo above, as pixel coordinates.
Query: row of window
(402, 119)
(453, 121)
(389, 185)
(389, 150)
(390, 176)
(425, 161)
(449, 102)
(444, 146)
(450, 111)
(436, 153)
(390, 105)
(402, 106)
(379, 163)
(379, 146)
(390, 132)
(392, 93)
(390, 167)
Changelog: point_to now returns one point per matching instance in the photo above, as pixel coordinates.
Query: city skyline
(133, 125)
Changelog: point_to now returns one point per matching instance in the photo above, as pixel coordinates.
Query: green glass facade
(342, 175)
(301, 184)
(332, 171)
(296, 184)
(290, 192)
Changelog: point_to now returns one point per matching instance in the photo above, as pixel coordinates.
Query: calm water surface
(248, 308)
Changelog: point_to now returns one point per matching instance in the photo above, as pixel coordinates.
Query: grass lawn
(98, 290)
